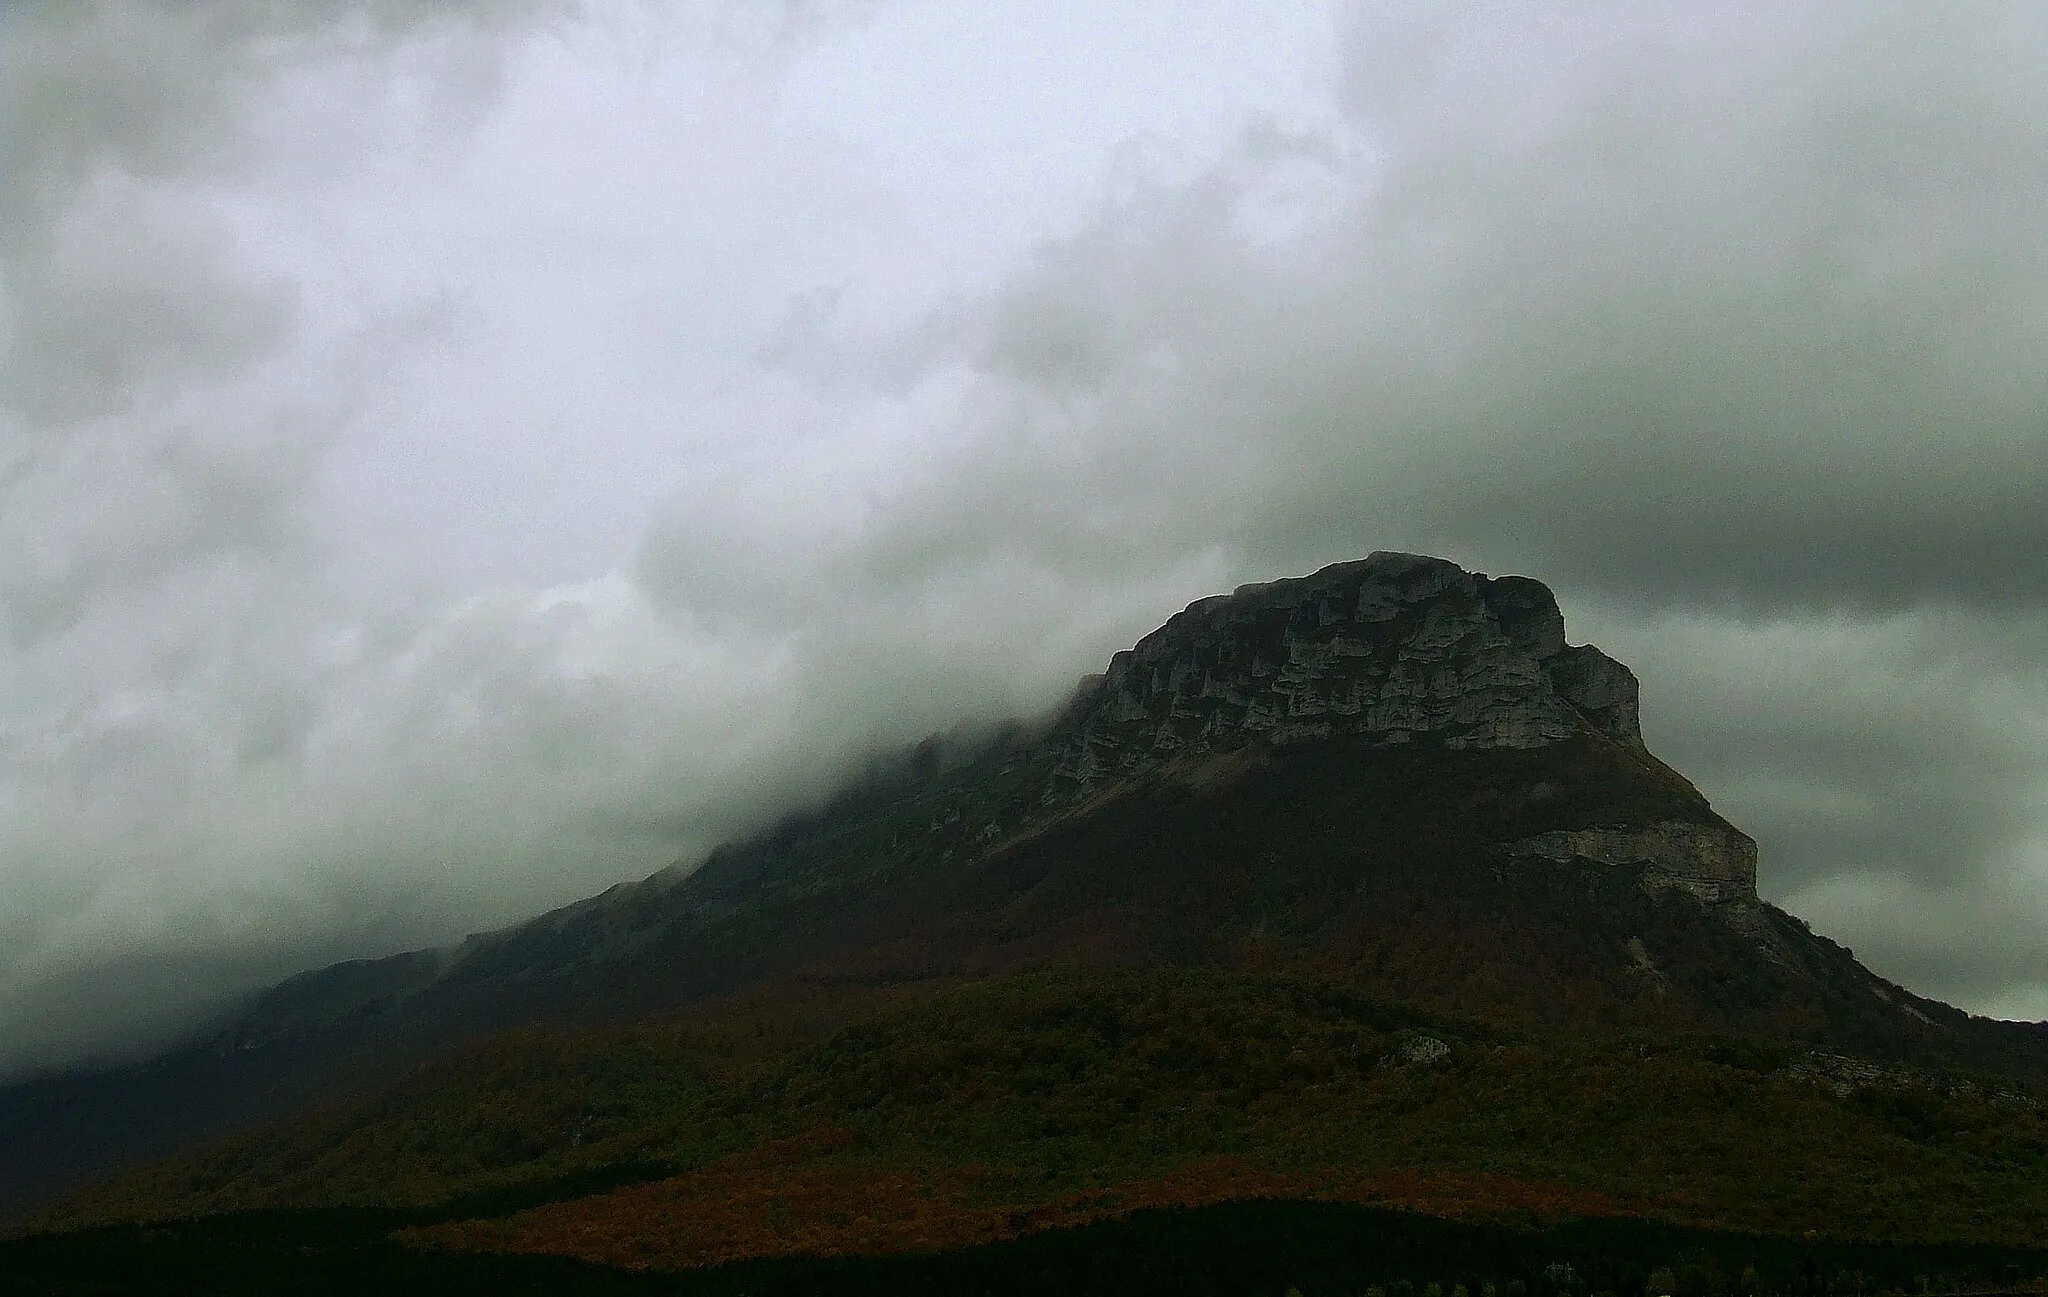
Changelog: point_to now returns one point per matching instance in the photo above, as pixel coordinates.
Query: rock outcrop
(1712, 862)
(1396, 649)
(1395, 646)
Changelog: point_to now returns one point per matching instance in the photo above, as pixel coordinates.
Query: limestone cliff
(1397, 649)
(1396, 646)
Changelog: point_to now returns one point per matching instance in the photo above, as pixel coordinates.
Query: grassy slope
(1000, 1108)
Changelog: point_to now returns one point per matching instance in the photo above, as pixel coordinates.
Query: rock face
(1711, 862)
(1396, 646)
(1398, 649)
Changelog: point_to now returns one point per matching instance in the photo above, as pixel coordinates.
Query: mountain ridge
(1392, 772)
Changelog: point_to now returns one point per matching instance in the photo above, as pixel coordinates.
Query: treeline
(1243, 1249)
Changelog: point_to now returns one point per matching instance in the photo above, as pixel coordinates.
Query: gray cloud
(237, 733)
(164, 419)
(1724, 322)
(1705, 311)
(130, 302)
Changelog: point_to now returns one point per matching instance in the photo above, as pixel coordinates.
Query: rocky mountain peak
(1397, 647)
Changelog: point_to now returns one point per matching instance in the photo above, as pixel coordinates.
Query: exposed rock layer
(1711, 862)
(1396, 648)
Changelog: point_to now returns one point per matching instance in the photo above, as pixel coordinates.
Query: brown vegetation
(1015, 1105)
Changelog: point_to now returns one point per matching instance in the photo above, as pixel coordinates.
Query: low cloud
(237, 734)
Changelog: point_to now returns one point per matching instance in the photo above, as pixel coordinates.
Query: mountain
(1394, 776)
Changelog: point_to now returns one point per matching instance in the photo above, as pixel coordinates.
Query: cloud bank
(454, 462)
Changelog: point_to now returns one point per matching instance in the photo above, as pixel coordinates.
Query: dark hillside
(1007, 1107)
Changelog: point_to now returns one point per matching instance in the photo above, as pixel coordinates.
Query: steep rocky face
(1395, 646)
(1396, 649)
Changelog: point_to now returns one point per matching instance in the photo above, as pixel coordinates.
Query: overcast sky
(454, 457)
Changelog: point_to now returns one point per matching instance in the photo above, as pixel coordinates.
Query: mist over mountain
(455, 458)
(1395, 776)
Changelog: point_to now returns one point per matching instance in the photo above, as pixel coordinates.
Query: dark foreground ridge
(1394, 775)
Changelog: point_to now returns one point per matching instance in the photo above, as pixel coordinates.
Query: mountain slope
(1009, 1105)
(1394, 774)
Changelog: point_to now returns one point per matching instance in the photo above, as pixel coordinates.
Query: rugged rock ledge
(1395, 646)
(1713, 862)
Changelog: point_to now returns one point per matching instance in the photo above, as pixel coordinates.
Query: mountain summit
(1395, 645)
(1394, 774)
(1397, 649)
